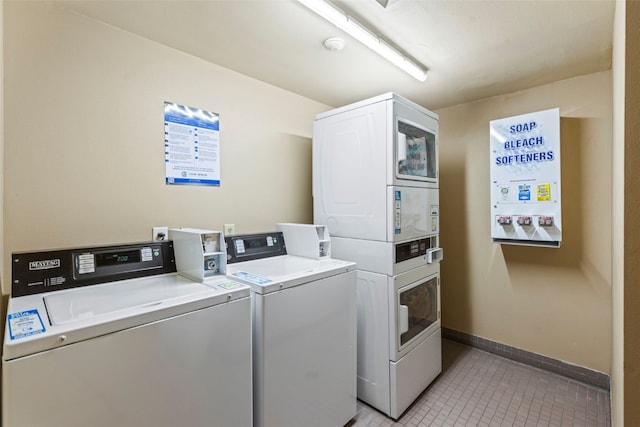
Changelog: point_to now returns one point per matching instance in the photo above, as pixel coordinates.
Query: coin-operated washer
(112, 335)
(304, 330)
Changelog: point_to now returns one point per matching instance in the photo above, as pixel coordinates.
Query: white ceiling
(473, 48)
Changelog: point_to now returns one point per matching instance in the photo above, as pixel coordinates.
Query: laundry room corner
(557, 300)
(98, 93)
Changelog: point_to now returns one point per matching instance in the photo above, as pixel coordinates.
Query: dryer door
(416, 312)
(415, 147)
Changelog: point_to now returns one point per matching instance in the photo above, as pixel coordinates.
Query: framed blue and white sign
(191, 145)
(525, 179)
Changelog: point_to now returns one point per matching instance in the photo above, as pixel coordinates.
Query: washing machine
(304, 332)
(113, 336)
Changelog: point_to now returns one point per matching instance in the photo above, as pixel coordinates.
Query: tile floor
(477, 388)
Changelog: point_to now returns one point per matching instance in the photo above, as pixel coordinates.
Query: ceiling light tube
(346, 23)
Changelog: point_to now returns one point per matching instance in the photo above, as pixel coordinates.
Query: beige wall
(84, 158)
(555, 302)
(631, 276)
(617, 250)
(3, 299)
(625, 374)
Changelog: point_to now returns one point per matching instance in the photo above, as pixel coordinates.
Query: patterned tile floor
(477, 388)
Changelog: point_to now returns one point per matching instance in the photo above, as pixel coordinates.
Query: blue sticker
(252, 278)
(397, 229)
(25, 323)
(524, 192)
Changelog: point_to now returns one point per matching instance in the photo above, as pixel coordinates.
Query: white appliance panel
(140, 376)
(306, 240)
(369, 255)
(349, 172)
(305, 360)
(414, 372)
(373, 340)
(413, 213)
(376, 257)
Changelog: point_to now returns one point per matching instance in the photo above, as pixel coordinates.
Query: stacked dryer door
(375, 185)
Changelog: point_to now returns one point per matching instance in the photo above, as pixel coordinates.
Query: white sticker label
(24, 323)
(252, 278)
(230, 285)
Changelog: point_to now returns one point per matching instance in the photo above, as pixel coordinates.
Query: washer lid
(90, 301)
(41, 322)
(277, 273)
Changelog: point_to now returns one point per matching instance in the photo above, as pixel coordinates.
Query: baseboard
(579, 373)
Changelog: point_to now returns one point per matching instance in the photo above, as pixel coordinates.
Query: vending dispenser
(525, 179)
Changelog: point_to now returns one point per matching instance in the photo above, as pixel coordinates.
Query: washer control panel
(46, 271)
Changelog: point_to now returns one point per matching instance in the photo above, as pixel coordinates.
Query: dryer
(304, 332)
(376, 188)
(107, 336)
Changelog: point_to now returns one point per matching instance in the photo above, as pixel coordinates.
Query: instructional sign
(525, 179)
(191, 145)
(24, 324)
(252, 278)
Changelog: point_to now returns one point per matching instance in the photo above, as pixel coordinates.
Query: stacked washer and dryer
(375, 186)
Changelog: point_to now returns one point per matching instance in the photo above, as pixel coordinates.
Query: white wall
(84, 150)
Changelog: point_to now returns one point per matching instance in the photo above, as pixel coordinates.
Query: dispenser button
(545, 221)
(524, 220)
(504, 220)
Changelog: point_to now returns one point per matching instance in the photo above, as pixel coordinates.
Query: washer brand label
(44, 264)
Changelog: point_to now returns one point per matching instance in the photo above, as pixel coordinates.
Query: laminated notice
(252, 278)
(24, 323)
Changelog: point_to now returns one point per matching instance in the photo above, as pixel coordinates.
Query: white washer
(153, 351)
(304, 332)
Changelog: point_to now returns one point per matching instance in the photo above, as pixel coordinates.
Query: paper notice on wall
(191, 145)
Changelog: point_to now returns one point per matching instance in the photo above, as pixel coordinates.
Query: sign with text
(191, 145)
(525, 179)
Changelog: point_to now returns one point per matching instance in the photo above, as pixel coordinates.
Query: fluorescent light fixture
(346, 23)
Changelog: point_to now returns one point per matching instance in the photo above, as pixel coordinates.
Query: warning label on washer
(252, 278)
(24, 323)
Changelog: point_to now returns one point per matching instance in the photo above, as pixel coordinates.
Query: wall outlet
(229, 229)
(160, 234)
